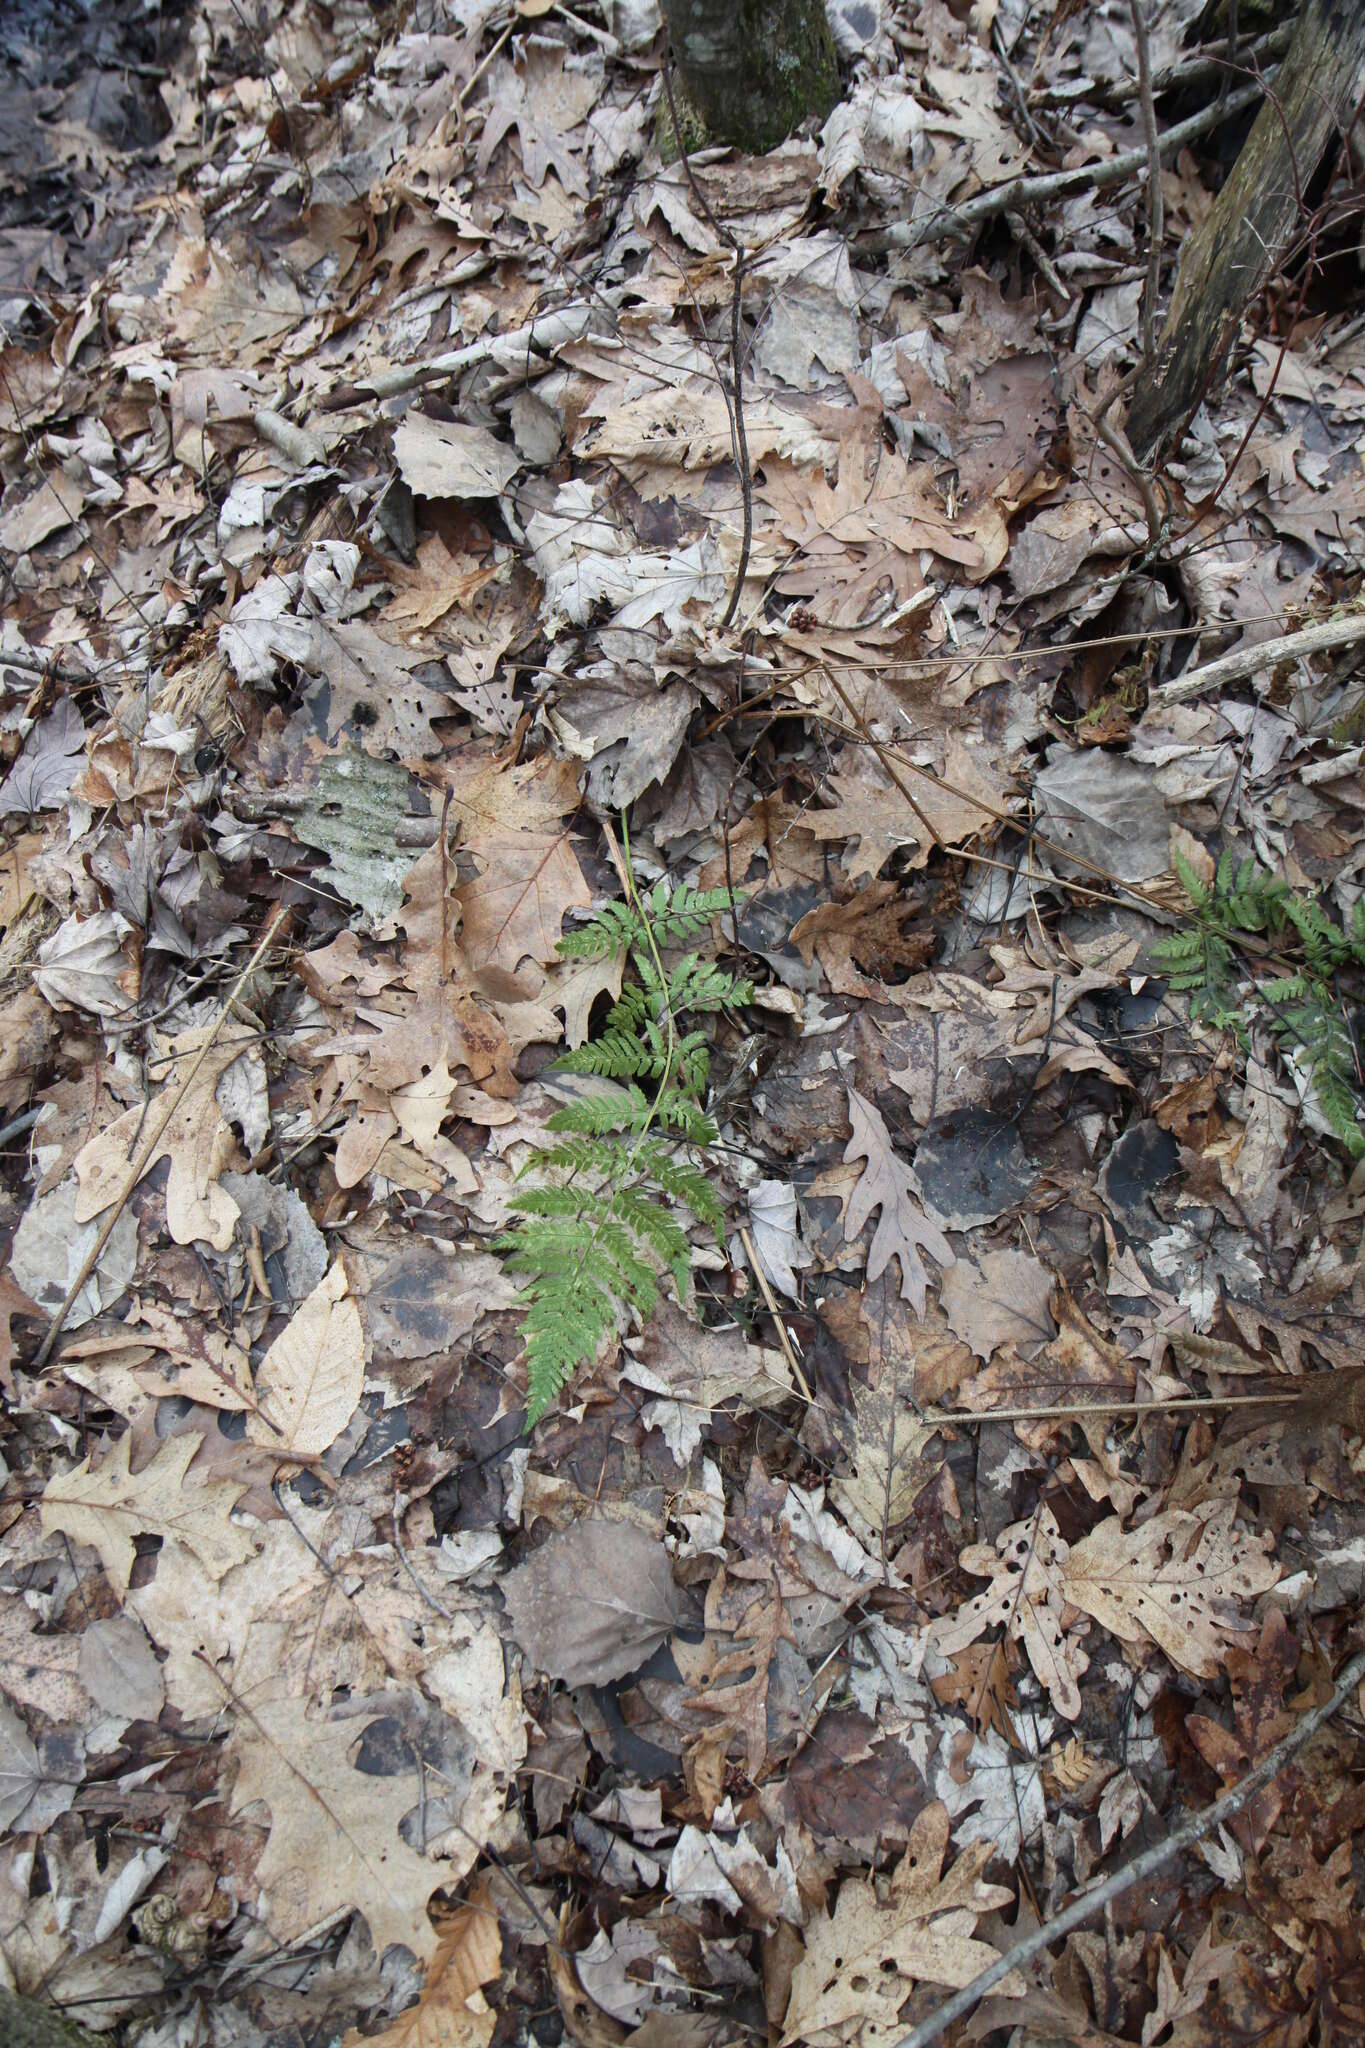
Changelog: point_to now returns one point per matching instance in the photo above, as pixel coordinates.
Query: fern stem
(665, 1005)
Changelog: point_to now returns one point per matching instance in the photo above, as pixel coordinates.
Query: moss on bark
(24, 2023)
(753, 69)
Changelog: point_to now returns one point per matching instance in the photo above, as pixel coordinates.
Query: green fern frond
(609, 1215)
(1305, 1008)
(614, 1055)
(596, 1115)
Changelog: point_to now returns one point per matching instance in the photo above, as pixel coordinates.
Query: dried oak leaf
(594, 1602)
(733, 1683)
(334, 1843)
(109, 1506)
(1026, 1597)
(869, 808)
(1175, 1579)
(543, 96)
(862, 1961)
(903, 1228)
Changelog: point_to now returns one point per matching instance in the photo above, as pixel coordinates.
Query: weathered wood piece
(1255, 219)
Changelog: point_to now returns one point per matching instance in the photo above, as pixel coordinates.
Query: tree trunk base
(754, 69)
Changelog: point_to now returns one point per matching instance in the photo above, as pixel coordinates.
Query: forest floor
(374, 607)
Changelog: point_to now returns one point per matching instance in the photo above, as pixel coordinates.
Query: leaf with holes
(862, 1961)
(1027, 1597)
(1176, 1579)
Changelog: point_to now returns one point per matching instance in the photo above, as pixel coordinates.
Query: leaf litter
(370, 515)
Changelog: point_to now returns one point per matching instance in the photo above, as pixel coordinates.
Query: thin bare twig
(171, 1097)
(775, 1312)
(1156, 211)
(1141, 1868)
(1142, 478)
(1076, 1410)
(734, 398)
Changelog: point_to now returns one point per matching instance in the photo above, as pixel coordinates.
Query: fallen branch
(511, 352)
(1244, 661)
(1141, 1868)
(151, 1138)
(959, 223)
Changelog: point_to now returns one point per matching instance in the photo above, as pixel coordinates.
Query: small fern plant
(603, 1225)
(1310, 1011)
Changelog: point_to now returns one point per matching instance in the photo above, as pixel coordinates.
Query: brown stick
(1244, 661)
(1077, 1410)
(959, 223)
(775, 1312)
(151, 1138)
(1142, 1867)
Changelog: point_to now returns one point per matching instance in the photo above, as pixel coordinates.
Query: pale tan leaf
(888, 1183)
(209, 1366)
(197, 1140)
(334, 1844)
(444, 459)
(574, 987)
(543, 95)
(1176, 1579)
(312, 1376)
(514, 909)
(862, 1961)
(109, 1507)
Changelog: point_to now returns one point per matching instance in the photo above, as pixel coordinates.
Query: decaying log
(1255, 220)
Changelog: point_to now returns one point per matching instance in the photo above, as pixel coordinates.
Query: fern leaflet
(1308, 1010)
(607, 1219)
